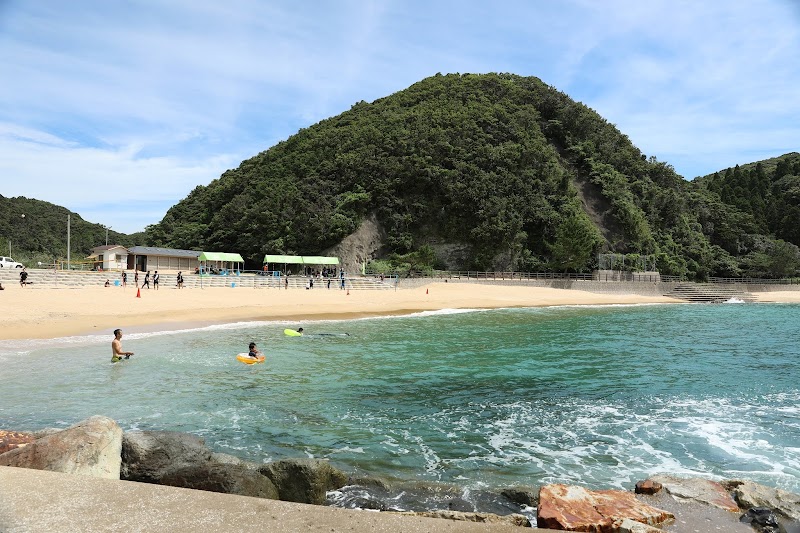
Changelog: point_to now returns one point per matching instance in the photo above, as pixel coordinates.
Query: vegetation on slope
(753, 214)
(503, 166)
(487, 172)
(41, 234)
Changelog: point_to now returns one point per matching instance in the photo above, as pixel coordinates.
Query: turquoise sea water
(596, 396)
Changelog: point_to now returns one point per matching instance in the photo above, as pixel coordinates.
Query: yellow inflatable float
(246, 359)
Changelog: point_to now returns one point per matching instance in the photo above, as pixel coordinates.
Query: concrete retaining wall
(610, 287)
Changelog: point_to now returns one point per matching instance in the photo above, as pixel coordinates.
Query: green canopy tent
(222, 261)
(319, 260)
(284, 259)
(300, 260)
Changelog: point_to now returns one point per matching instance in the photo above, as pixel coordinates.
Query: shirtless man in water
(116, 347)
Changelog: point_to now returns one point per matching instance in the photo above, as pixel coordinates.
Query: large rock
(150, 456)
(11, 440)
(697, 489)
(631, 526)
(304, 480)
(761, 519)
(521, 495)
(647, 486)
(222, 477)
(750, 494)
(91, 448)
(184, 460)
(573, 508)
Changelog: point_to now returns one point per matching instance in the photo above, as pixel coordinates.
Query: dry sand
(51, 313)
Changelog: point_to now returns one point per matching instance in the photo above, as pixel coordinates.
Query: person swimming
(254, 352)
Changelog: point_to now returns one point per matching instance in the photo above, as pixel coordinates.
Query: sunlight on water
(599, 396)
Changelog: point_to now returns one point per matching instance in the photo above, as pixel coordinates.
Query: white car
(7, 262)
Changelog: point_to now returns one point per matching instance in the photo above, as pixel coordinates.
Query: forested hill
(491, 171)
(767, 191)
(38, 231)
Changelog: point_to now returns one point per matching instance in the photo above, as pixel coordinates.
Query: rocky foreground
(98, 447)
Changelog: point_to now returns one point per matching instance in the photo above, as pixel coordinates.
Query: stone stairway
(709, 293)
(43, 278)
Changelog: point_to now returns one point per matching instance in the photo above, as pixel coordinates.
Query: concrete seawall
(36, 500)
(605, 287)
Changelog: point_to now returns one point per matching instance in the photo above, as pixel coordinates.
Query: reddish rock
(11, 440)
(91, 448)
(648, 486)
(573, 508)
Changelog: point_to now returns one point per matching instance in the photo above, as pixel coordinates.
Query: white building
(109, 257)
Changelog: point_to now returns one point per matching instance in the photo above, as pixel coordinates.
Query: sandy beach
(51, 313)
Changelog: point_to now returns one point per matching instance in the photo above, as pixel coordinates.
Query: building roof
(105, 247)
(301, 260)
(221, 256)
(168, 252)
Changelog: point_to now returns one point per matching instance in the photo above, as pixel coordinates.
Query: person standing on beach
(116, 348)
(146, 280)
(124, 278)
(180, 280)
(286, 282)
(23, 277)
(136, 278)
(155, 280)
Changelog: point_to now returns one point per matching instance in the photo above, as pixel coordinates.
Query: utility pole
(68, 216)
(106, 235)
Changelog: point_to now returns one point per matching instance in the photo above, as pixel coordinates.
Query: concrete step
(696, 292)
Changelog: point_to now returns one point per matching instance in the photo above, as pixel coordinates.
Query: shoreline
(48, 313)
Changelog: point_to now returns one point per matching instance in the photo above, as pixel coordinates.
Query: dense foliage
(510, 171)
(752, 215)
(41, 234)
(490, 172)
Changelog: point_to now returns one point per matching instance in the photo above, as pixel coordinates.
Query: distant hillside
(767, 192)
(491, 171)
(41, 235)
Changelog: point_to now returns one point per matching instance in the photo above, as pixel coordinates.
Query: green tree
(577, 241)
(784, 260)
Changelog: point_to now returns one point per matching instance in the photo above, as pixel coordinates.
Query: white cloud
(86, 178)
(143, 101)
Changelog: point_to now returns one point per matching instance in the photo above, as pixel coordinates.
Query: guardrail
(477, 274)
(595, 276)
(756, 281)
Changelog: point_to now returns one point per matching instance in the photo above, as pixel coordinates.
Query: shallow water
(596, 396)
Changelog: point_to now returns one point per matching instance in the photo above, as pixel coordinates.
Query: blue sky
(117, 110)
